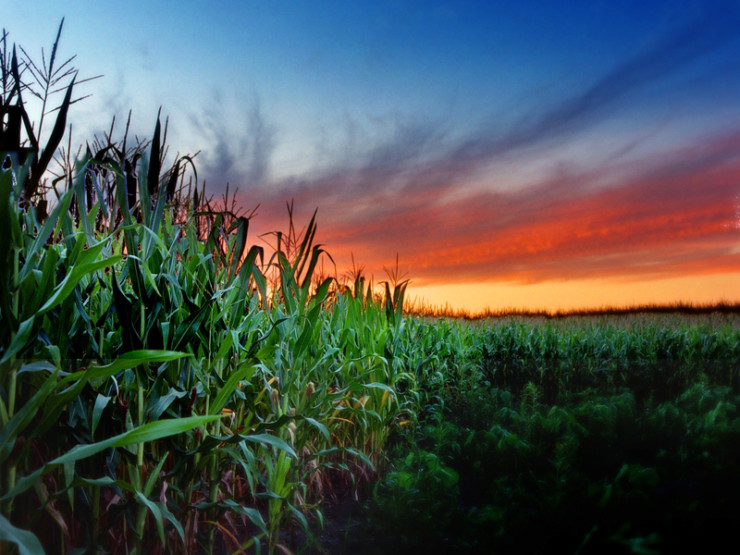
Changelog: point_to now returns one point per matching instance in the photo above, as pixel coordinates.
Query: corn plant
(176, 390)
(21, 76)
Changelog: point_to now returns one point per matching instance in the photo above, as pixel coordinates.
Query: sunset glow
(532, 157)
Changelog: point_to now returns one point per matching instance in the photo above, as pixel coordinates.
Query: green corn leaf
(51, 226)
(172, 181)
(151, 236)
(302, 256)
(377, 385)
(242, 225)
(362, 456)
(47, 282)
(38, 366)
(20, 339)
(87, 213)
(6, 214)
(229, 387)
(148, 278)
(24, 416)
(323, 453)
(270, 440)
(157, 217)
(162, 428)
(57, 132)
(145, 201)
(121, 195)
(28, 544)
(321, 293)
(304, 340)
(77, 380)
(187, 330)
(250, 265)
(318, 425)
(154, 162)
(125, 361)
(154, 475)
(125, 309)
(101, 401)
(161, 404)
(65, 288)
(253, 514)
(316, 253)
(105, 481)
(155, 511)
(172, 520)
(299, 516)
(226, 344)
(148, 432)
(76, 243)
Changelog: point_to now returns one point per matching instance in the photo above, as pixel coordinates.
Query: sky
(532, 155)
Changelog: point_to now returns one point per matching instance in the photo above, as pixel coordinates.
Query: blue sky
(515, 148)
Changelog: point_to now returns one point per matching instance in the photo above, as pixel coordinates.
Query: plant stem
(96, 516)
(140, 446)
(11, 393)
(12, 468)
(139, 473)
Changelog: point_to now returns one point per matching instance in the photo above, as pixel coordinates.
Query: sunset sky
(534, 154)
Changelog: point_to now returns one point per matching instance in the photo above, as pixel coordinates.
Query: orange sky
(664, 230)
(580, 294)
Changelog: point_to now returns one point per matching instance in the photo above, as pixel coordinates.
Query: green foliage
(563, 446)
(419, 506)
(152, 379)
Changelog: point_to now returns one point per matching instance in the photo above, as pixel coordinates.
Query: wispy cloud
(241, 143)
(411, 193)
(608, 93)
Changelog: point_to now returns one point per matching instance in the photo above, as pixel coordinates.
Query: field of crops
(166, 390)
(587, 435)
(166, 385)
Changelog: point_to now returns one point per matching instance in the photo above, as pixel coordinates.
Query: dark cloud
(239, 152)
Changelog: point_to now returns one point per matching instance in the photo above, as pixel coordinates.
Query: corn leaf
(28, 544)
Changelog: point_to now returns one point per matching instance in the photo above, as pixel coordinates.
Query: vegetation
(166, 387)
(583, 438)
(154, 378)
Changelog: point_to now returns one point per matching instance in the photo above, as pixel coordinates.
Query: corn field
(166, 385)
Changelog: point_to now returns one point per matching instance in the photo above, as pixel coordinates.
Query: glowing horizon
(534, 157)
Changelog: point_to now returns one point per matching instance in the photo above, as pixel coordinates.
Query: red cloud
(673, 216)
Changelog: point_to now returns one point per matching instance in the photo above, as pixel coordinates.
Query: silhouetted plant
(19, 136)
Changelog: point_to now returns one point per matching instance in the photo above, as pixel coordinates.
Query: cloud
(241, 144)
(415, 151)
(673, 215)
(410, 192)
(664, 58)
